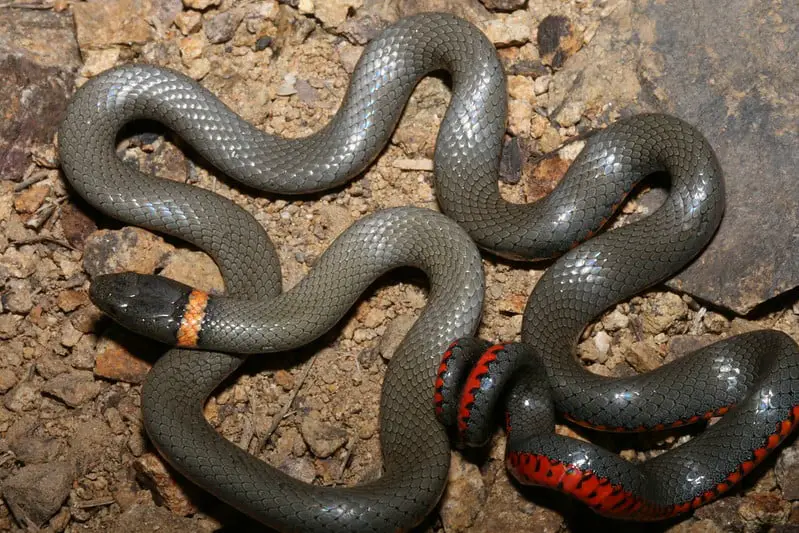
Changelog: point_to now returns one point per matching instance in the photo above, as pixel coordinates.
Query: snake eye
(150, 305)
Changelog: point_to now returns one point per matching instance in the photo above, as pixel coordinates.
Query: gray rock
(557, 40)
(510, 167)
(147, 517)
(30, 442)
(7, 380)
(787, 472)
(532, 68)
(23, 397)
(324, 439)
(464, 497)
(164, 13)
(736, 82)
(222, 27)
(762, 509)
(90, 442)
(395, 332)
(300, 468)
(723, 512)
(35, 492)
(73, 388)
(362, 28)
(306, 93)
(126, 249)
(507, 510)
(681, 345)
(504, 5)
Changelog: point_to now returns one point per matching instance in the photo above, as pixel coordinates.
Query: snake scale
(754, 377)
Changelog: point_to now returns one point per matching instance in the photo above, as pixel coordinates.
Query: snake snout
(149, 305)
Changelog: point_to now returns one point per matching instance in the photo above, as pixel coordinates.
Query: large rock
(728, 68)
(736, 80)
(34, 493)
(37, 81)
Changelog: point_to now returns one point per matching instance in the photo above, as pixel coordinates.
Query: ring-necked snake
(255, 317)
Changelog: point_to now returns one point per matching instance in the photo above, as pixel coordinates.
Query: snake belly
(254, 317)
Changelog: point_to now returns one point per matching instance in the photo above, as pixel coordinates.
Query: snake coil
(255, 316)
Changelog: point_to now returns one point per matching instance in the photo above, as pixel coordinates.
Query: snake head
(152, 306)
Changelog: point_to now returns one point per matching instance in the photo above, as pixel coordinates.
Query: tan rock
(73, 388)
(284, 379)
(70, 335)
(570, 114)
(587, 351)
(111, 22)
(513, 303)
(667, 309)
(550, 140)
(128, 249)
(538, 126)
(332, 13)
(199, 68)
(334, 219)
(7, 380)
(464, 497)
(395, 332)
(373, 318)
(188, 22)
(193, 268)
(521, 88)
(508, 30)
(519, 115)
(97, 61)
(765, 508)
(425, 164)
(602, 342)
(115, 362)
(644, 357)
(85, 318)
(615, 320)
(155, 472)
(31, 198)
(324, 439)
(541, 84)
(69, 300)
(191, 47)
(714, 322)
(201, 5)
(306, 7)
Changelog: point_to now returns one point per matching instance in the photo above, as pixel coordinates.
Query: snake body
(256, 317)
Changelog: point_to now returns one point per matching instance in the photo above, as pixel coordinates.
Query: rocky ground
(73, 455)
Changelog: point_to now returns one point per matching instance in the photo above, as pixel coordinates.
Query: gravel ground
(73, 455)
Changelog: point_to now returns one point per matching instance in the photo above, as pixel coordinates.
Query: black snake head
(149, 305)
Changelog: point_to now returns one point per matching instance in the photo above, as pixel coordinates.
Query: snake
(753, 378)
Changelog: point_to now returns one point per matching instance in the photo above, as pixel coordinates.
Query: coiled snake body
(255, 317)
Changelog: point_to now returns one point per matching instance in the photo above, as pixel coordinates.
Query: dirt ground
(73, 454)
